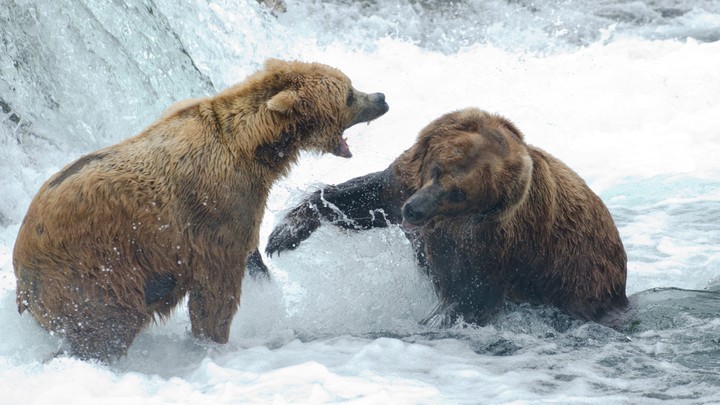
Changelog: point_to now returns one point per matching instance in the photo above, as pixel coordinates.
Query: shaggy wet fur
(490, 217)
(125, 233)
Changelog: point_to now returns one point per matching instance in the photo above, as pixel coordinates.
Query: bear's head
(466, 163)
(321, 102)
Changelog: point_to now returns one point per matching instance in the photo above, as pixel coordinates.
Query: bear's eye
(350, 98)
(456, 195)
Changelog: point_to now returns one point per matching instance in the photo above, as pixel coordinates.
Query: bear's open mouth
(342, 149)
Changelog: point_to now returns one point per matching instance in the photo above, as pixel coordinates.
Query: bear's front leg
(371, 201)
(212, 310)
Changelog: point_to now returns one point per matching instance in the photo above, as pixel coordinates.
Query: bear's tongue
(342, 149)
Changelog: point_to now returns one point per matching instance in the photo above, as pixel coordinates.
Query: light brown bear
(490, 218)
(125, 233)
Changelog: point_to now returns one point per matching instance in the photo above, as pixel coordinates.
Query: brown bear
(125, 233)
(490, 218)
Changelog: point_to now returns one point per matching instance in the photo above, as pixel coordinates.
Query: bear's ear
(284, 102)
(513, 128)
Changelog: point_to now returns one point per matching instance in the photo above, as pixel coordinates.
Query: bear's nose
(377, 98)
(410, 214)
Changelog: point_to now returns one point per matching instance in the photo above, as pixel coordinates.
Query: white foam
(636, 118)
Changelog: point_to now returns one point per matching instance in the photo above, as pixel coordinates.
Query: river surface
(627, 93)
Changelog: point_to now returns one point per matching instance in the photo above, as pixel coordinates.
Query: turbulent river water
(627, 93)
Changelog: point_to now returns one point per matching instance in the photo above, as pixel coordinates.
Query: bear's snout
(377, 98)
(422, 206)
(412, 214)
(377, 105)
(367, 107)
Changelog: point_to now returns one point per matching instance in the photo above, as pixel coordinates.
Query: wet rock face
(275, 6)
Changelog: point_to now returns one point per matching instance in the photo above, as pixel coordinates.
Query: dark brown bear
(126, 232)
(490, 217)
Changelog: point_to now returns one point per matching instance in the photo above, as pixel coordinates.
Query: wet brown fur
(125, 233)
(490, 217)
(529, 223)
